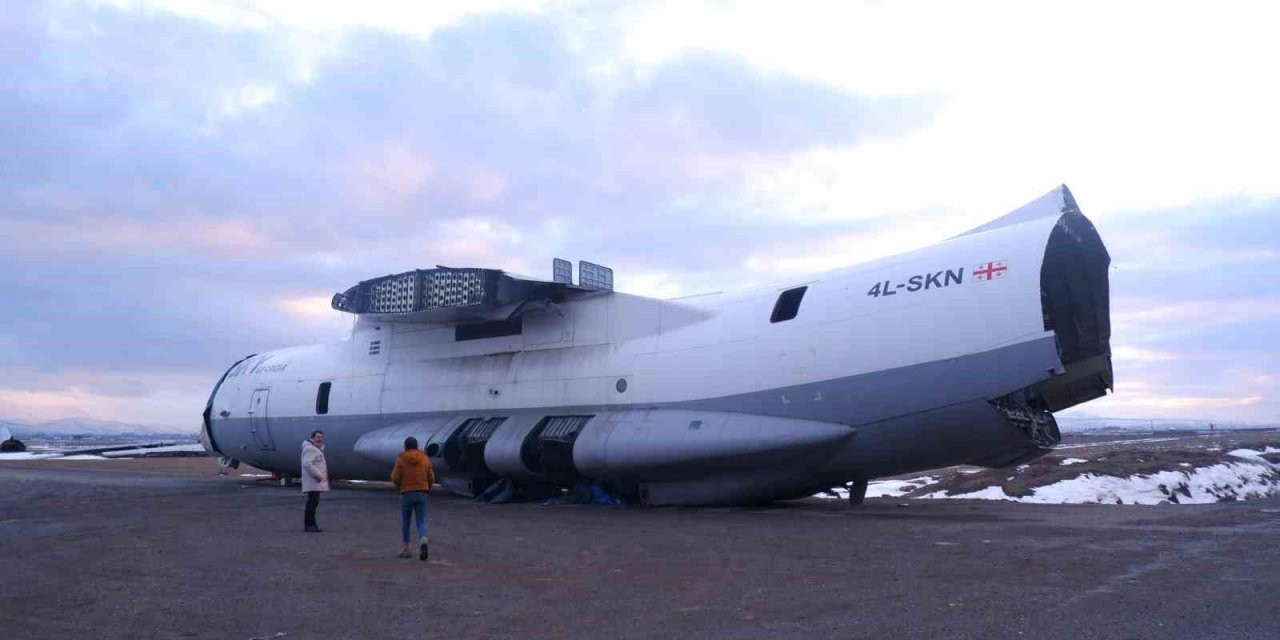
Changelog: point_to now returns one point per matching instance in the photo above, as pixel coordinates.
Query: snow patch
(990, 493)
(1253, 453)
(46, 455)
(1108, 443)
(1216, 483)
(1066, 462)
(883, 488)
(28, 455)
(142, 451)
(896, 488)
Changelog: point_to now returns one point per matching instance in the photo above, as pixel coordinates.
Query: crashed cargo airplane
(958, 353)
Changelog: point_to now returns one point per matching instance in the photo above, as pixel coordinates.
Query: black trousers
(313, 501)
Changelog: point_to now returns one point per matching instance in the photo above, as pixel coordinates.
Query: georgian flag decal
(990, 270)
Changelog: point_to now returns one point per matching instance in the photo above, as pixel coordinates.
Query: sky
(186, 182)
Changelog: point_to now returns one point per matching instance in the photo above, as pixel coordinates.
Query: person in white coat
(315, 478)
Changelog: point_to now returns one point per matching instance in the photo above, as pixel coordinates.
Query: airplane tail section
(1075, 306)
(1075, 300)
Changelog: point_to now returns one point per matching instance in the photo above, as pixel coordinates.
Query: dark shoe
(422, 551)
(313, 529)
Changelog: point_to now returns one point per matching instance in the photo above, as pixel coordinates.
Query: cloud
(312, 310)
(162, 399)
(1144, 315)
(419, 19)
(1129, 354)
(182, 234)
(1144, 116)
(214, 213)
(203, 175)
(1163, 396)
(41, 405)
(386, 176)
(1139, 404)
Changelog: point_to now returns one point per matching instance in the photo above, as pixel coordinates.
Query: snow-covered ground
(194, 448)
(1216, 483)
(43, 455)
(173, 448)
(1112, 443)
(895, 488)
(28, 455)
(1245, 474)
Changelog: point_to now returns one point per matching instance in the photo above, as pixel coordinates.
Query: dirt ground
(164, 549)
(177, 466)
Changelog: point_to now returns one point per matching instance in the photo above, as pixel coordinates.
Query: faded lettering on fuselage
(257, 365)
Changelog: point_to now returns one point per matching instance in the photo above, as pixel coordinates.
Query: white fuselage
(717, 352)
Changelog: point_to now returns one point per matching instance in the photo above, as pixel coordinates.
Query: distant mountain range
(1076, 424)
(87, 426)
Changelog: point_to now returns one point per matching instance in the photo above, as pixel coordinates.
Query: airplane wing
(446, 295)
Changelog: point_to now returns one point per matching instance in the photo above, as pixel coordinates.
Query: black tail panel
(1075, 299)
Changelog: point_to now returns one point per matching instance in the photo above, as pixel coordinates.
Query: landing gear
(857, 492)
(1036, 423)
(226, 465)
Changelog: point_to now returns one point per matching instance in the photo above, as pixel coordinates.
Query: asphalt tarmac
(91, 552)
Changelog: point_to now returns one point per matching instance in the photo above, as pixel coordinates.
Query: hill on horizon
(88, 426)
(1075, 424)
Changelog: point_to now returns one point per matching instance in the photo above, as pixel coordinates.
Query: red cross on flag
(991, 270)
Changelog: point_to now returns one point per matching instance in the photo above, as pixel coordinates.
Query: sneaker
(422, 550)
(405, 554)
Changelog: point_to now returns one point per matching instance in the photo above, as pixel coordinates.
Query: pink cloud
(205, 235)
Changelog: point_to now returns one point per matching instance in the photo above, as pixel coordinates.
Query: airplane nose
(206, 431)
(206, 442)
(207, 437)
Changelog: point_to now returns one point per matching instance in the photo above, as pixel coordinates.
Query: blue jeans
(413, 503)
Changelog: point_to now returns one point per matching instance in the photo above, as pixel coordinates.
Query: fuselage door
(258, 422)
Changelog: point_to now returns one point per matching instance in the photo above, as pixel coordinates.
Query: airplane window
(322, 398)
(788, 304)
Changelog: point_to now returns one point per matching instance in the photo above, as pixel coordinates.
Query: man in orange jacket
(413, 476)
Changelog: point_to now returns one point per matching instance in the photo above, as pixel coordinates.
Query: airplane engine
(661, 445)
(663, 456)
(701, 457)
(8, 443)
